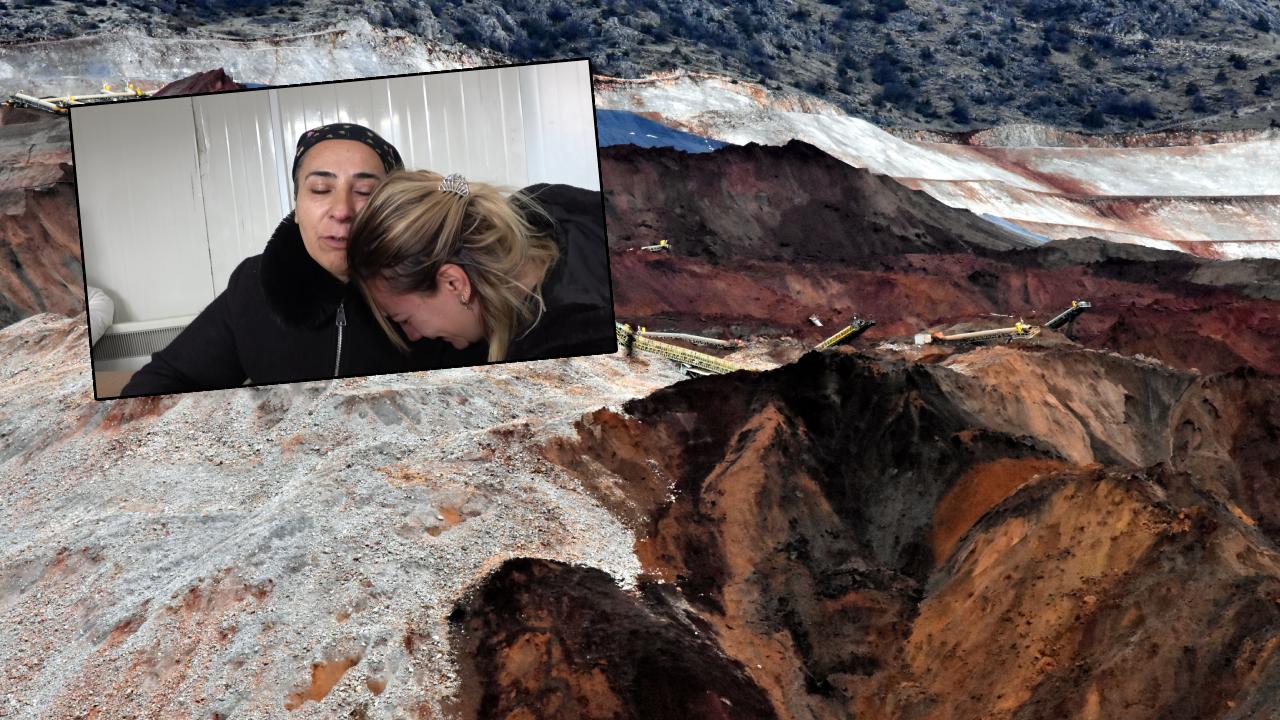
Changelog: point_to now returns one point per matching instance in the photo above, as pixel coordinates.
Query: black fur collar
(299, 291)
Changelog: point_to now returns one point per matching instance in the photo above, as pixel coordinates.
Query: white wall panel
(560, 124)
(407, 120)
(446, 130)
(486, 137)
(138, 181)
(238, 149)
(514, 150)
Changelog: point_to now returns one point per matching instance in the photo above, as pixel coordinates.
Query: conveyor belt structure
(631, 340)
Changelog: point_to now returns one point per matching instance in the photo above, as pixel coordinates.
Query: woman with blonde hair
(290, 314)
(528, 275)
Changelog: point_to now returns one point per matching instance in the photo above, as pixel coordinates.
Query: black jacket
(281, 320)
(577, 291)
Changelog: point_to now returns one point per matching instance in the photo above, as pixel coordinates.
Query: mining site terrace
(1082, 522)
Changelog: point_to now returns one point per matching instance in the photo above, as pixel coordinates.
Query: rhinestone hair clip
(455, 184)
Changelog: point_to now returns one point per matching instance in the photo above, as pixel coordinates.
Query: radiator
(128, 346)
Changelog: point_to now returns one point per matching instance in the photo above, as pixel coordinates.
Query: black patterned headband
(348, 131)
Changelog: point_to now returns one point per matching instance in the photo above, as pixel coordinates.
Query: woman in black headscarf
(289, 313)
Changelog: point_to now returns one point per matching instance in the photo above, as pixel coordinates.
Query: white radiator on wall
(128, 346)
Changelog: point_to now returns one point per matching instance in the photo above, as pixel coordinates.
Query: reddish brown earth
(1227, 428)
(866, 538)
(1041, 530)
(40, 267)
(203, 82)
(562, 659)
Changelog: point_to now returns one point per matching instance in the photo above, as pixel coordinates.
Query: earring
(465, 301)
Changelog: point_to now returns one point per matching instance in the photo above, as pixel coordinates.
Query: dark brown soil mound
(789, 204)
(549, 640)
(874, 539)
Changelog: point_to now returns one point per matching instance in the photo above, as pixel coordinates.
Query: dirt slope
(40, 267)
(867, 538)
(793, 203)
(909, 262)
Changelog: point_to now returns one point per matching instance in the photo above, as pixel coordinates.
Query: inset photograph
(342, 229)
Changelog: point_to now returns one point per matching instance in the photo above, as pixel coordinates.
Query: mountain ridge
(1077, 64)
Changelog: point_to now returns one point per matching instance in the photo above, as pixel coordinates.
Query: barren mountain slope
(293, 548)
(792, 204)
(918, 63)
(39, 235)
(763, 237)
(863, 544)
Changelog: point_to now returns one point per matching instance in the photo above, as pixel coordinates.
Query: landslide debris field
(763, 237)
(1082, 524)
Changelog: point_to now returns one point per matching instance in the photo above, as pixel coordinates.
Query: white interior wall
(219, 165)
(559, 123)
(237, 143)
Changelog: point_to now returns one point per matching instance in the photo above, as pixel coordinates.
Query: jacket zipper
(342, 322)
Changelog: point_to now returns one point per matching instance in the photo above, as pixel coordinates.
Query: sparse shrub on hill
(831, 47)
(1093, 119)
(894, 93)
(1124, 107)
(1038, 101)
(1057, 36)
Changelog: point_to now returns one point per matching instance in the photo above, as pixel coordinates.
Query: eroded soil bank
(880, 538)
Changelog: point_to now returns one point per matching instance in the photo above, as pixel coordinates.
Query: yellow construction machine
(63, 103)
(1018, 331)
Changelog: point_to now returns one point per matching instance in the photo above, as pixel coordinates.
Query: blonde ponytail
(409, 228)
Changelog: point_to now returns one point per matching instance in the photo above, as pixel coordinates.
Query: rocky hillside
(39, 233)
(862, 536)
(887, 533)
(1069, 63)
(1084, 524)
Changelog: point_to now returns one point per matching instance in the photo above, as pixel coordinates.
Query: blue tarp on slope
(1011, 226)
(619, 127)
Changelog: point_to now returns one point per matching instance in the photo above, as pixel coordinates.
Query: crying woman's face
(335, 180)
